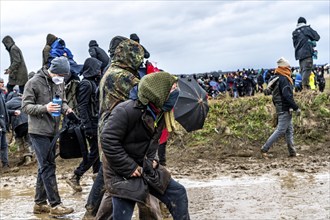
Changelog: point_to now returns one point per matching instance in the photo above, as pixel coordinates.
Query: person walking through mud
(281, 88)
(42, 127)
(130, 161)
(88, 107)
(304, 38)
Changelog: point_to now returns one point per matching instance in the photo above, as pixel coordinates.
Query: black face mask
(170, 102)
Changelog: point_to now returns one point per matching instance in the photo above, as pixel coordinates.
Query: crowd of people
(125, 108)
(103, 93)
(248, 82)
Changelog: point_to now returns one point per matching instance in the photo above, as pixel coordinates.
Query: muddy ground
(219, 185)
(225, 176)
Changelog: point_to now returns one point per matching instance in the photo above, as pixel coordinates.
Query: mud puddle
(285, 195)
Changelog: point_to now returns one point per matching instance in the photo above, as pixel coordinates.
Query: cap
(60, 65)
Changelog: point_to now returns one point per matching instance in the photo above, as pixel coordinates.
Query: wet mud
(279, 194)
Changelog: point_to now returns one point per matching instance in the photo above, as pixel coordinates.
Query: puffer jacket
(38, 92)
(18, 72)
(127, 135)
(301, 37)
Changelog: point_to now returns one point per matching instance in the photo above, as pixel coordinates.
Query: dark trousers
(96, 193)
(46, 187)
(162, 154)
(175, 198)
(3, 149)
(92, 158)
(306, 66)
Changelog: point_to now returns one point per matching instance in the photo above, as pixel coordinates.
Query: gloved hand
(298, 112)
(89, 132)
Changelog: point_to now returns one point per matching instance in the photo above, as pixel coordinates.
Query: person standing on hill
(281, 88)
(17, 71)
(304, 38)
(98, 53)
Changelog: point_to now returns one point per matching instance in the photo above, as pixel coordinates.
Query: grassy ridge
(249, 121)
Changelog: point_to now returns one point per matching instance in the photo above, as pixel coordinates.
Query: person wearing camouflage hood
(115, 86)
(18, 74)
(130, 141)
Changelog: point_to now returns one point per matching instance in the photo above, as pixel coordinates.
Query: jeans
(306, 66)
(92, 159)
(46, 187)
(96, 193)
(175, 198)
(3, 149)
(162, 154)
(284, 127)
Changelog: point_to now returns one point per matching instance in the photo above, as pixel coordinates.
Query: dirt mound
(235, 130)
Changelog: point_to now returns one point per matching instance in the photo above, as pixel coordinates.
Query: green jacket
(18, 72)
(38, 92)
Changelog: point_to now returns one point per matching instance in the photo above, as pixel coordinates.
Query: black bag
(134, 188)
(72, 141)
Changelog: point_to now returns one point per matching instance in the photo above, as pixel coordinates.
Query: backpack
(71, 94)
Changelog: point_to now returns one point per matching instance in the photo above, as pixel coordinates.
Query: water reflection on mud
(282, 196)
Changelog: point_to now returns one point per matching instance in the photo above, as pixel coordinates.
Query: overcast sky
(183, 37)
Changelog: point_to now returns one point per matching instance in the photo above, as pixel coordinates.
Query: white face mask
(58, 80)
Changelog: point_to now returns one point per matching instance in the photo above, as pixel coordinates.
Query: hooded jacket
(98, 53)
(87, 94)
(50, 39)
(301, 37)
(18, 74)
(39, 91)
(130, 136)
(122, 75)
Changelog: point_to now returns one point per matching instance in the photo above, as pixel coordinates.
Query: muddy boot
(164, 210)
(60, 210)
(27, 160)
(74, 182)
(41, 208)
(88, 214)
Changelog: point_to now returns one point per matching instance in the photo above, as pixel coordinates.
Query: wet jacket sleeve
(312, 34)
(287, 93)
(16, 59)
(29, 105)
(112, 138)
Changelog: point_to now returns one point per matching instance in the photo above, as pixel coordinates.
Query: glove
(298, 112)
(89, 132)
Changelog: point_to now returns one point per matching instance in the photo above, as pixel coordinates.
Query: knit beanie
(60, 65)
(301, 20)
(155, 88)
(283, 62)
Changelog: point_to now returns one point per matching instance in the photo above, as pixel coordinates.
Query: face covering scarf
(58, 80)
(168, 112)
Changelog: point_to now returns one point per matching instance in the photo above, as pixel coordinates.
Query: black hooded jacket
(98, 53)
(87, 94)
